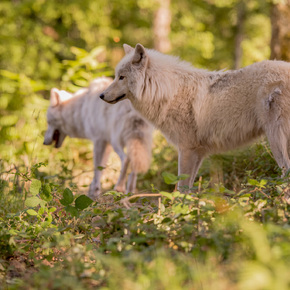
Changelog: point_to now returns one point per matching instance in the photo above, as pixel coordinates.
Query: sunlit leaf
(8, 120)
(41, 211)
(47, 221)
(35, 186)
(32, 201)
(167, 194)
(253, 182)
(31, 212)
(52, 209)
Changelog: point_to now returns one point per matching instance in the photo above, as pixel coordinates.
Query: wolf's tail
(139, 151)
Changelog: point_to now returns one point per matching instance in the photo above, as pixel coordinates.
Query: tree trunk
(241, 17)
(280, 40)
(162, 22)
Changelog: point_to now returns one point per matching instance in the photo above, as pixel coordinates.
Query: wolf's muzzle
(102, 96)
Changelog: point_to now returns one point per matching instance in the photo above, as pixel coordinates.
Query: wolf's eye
(121, 78)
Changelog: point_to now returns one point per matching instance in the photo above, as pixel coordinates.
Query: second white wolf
(84, 115)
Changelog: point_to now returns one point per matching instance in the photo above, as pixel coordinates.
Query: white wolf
(205, 112)
(84, 115)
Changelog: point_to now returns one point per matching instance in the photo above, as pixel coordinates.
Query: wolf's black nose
(102, 96)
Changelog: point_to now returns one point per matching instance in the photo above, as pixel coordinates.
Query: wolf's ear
(64, 96)
(140, 56)
(54, 97)
(127, 48)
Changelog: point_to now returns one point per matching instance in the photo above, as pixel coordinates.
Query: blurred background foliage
(65, 44)
(206, 241)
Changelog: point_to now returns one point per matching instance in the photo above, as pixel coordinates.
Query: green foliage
(230, 233)
(68, 44)
(67, 197)
(170, 178)
(203, 32)
(83, 202)
(211, 238)
(85, 68)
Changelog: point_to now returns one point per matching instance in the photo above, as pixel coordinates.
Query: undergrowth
(221, 236)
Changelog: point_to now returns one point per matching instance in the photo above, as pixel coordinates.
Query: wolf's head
(129, 75)
(55, 128)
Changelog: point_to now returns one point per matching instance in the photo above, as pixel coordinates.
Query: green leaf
(32, 201)
(253, 182)
(46, 193)
(68, 197)
(47, 221)
(114, 193)
(43, 203)
(80, 52)
(83, 202)
(279, 189)
(35, 186)
(167, 194)
(31, 212)
(41, 211)
(169, 178)
(262, 183)
(180, 208)
(72, 210)
(166, 220)
(52, 209)
(178, 194)
(77, 237)
(8, 120)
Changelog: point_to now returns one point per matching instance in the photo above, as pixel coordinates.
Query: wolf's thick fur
(205, 112)
(84, 115)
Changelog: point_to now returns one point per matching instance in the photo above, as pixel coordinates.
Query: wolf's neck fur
(166, 79)
(165, 75)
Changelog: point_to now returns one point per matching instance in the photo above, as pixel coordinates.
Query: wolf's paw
(94, 192)
(120, 188)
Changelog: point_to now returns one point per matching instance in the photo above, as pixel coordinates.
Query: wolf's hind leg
(189, 161)
(277, 125)
(278, 141)
(131, 184)
(101, 154)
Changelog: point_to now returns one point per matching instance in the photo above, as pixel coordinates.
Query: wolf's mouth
(55, 138)
(117, 99)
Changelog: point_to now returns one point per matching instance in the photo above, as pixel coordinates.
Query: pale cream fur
(84, 115)
(204, 112)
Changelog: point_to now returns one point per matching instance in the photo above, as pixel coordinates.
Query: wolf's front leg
(121, 183)
(189, 161)
(101, 154)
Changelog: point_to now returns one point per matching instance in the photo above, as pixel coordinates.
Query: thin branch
(125, 201)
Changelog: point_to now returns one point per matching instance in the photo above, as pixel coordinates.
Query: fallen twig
(125, 201)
